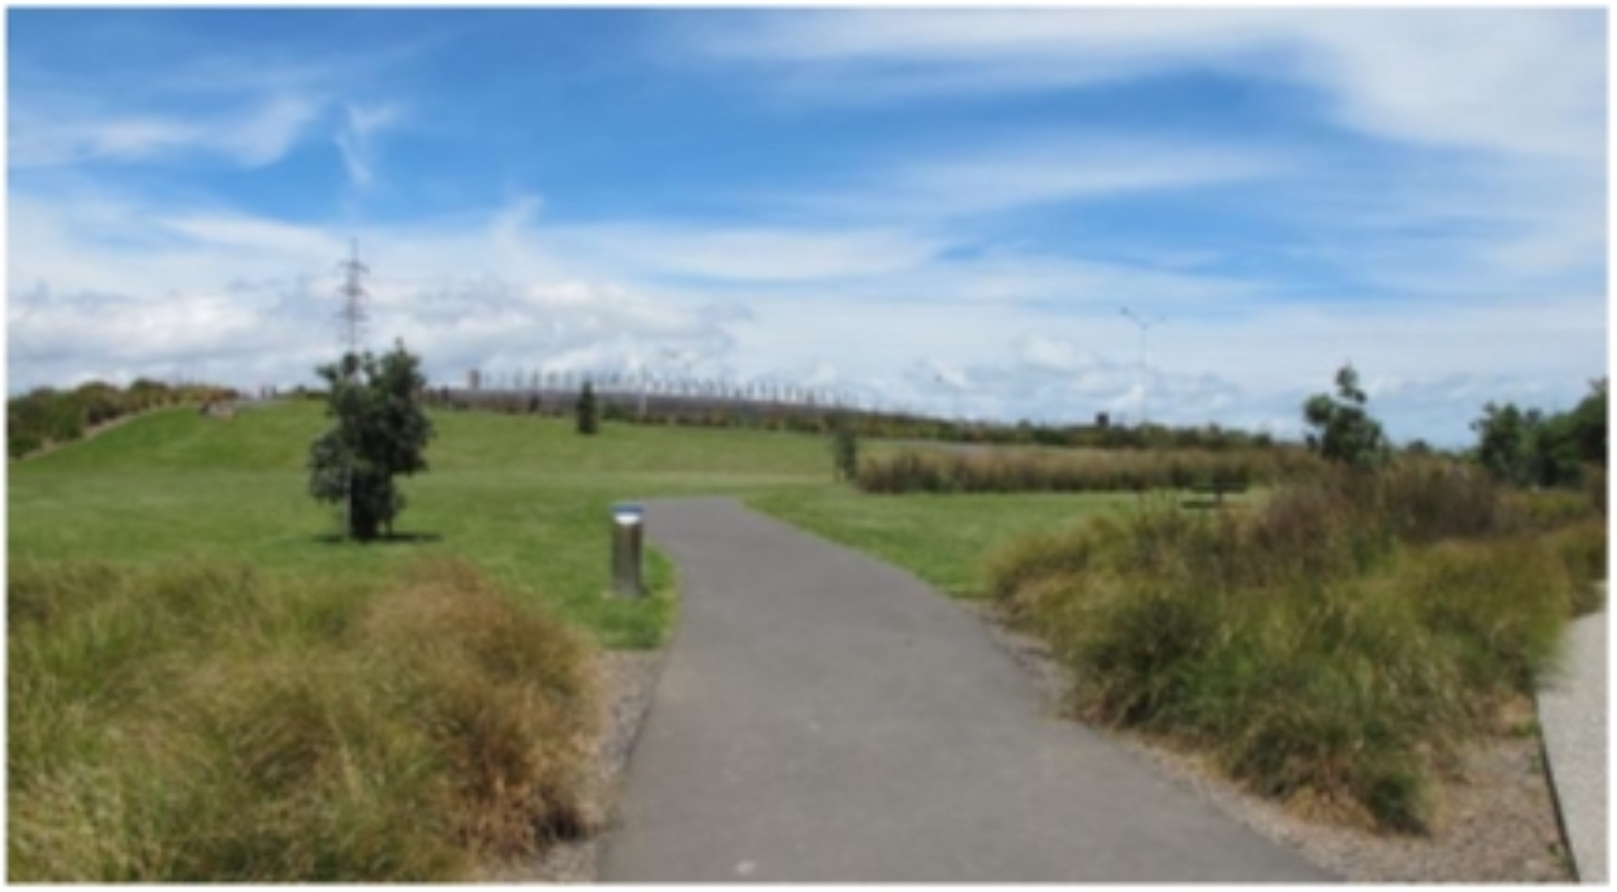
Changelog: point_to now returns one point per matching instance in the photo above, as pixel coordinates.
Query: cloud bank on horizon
(943, 210)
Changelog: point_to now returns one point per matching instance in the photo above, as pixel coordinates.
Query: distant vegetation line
(820, 417)
(46, 417)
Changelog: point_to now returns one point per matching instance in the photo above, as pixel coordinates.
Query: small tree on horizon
(845, 449)
(381, 431)
(589, 421)
(1343, 429)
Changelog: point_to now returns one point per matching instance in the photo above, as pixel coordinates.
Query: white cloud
(237, 231)
(252, 136)
(101, 287)
(1506, 80)
(1041, 169)
(1515, 81)
(202, 286)
(264, 135)
(756, 254)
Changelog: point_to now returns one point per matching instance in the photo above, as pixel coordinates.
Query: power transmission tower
(1145, 326)
(352, 316)
(352, 313)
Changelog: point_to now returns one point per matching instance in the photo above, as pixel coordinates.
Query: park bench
(1215, 487)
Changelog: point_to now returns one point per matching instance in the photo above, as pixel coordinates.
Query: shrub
(45, 416)
(588, 413)
(845, 451)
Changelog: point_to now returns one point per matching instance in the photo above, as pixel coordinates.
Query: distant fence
(616, 403)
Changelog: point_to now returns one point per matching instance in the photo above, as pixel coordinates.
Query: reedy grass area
(1331, 648)
(1034, 470)
(209, 722)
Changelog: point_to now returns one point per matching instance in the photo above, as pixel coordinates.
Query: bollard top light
(627, 515)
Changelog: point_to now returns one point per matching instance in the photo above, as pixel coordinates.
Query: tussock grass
(1582, 547)
(1331, 648)
(212, 723)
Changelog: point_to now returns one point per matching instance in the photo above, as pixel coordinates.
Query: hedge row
(46, 416)
(1091, 471)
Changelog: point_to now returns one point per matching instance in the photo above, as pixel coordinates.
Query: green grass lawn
(187, 632)
(525, 499)
(943, 539)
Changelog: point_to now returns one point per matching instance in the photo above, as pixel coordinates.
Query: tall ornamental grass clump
(209, 723)
(1331, 649)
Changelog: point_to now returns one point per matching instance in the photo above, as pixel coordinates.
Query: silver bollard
(628, 525)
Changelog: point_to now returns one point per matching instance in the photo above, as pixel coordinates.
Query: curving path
(824, 717)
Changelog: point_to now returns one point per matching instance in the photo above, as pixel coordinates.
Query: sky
(941, 210)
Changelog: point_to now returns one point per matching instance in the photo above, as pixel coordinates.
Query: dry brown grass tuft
(270, 732)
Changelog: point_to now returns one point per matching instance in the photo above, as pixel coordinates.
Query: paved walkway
(824, 717)
(1572, 712)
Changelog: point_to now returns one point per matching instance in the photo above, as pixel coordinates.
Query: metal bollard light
(628, 525)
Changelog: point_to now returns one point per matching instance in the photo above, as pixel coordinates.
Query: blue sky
(942, 210)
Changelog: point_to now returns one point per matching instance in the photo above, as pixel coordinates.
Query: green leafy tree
(1529, 448)
(589, 416)
(381, 432)
(1555, 454)
(1588, 426)
(1504, 442)
(1343, 430)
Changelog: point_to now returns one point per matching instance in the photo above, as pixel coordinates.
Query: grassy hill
(524, 499)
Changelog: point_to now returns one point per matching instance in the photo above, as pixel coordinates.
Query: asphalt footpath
(824, 717)
(1572, 714)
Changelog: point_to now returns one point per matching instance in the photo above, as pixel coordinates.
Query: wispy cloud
(1504, 80)
(252, 135)
(1034, 169)
(356, 139)
(757, 254)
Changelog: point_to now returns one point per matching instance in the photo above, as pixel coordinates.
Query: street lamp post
(1145, 369)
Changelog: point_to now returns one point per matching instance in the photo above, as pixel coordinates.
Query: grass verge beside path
(942, 539)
